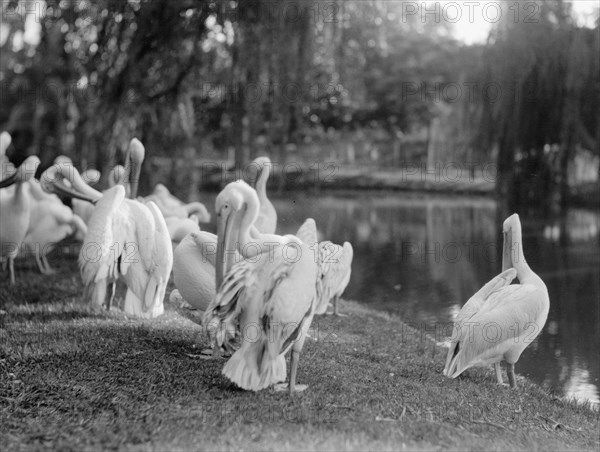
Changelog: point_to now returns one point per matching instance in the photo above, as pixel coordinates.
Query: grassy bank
(76, 379)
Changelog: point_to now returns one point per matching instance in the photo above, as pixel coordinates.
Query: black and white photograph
(281, 225)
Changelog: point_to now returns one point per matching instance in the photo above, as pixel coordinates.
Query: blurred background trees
(359, 83)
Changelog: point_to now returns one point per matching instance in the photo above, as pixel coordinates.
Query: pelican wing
(473, 306)
(307, 233)
(486, 293)
(107, 233)
(222, 315)
(162, 258)
(505, 325)
(289, 304)
(276, 306)
(334, 272)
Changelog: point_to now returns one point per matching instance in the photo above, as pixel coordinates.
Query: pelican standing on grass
(500, 320)
(266, 222)
(125, 238)
(270, 295)
(335, 268)
(15, 212)
(194, 261)
(50, 222)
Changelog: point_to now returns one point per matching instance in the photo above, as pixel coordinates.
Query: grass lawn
(72, 378)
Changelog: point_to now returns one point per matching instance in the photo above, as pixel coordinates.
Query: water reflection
(424, 256)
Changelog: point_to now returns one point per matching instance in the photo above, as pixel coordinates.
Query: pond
(422, 256)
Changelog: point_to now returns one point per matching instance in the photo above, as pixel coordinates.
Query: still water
(423, 256)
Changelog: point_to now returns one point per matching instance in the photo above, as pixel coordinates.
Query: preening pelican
(266, 222)
(83, 209)
(267, 300)
(194, 262)
(500, 320)
(125, 238)
(50, 222)
(16, 211)
(180, 227)
(335, 268)
(181, 211)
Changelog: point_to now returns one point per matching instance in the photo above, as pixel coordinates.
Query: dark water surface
(423, 256)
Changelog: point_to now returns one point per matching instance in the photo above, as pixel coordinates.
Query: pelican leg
(48, 269)
(292, 386)
(336, 307)
(336, 311)
(112, 296)
(293, 372)
(40, 264)
(11, 269)
(212, 353)
(510, 370)
(498, 373)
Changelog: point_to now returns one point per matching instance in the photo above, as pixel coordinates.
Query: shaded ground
(76, 379)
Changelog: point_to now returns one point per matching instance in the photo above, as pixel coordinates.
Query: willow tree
(540, 92)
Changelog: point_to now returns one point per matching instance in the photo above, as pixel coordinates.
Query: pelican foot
(285, 387)
(210, 353)
(337, 314)
(48, 271)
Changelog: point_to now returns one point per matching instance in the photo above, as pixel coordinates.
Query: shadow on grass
(45, 316)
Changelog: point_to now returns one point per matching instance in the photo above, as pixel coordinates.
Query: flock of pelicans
(258, 290)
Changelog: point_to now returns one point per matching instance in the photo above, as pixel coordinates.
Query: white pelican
(266, 222)
(335, 267)
(16, 211)
(268, 298)
(180, 227)
(50, 222)
(83, 209)
(5, 140)
(194, 262)
(125, 238)
(500, 320)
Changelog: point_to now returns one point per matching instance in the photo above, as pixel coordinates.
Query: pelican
(267, 217)
(183, 211)
(5, 140)
(165, 196)
(501, 319)
(16, 211)
(125, 238)
(83, 209)
(194, 269)
(268, 298)
(50, 222)
(335, 264)
(180, 227)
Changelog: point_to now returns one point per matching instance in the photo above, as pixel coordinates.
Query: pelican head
(53, 181)
(161, 190)
(510, 226)
(5, 140)
(91, 176)
(23, 173)
(63, 159)
(135, 158)
(237, 209)
(115, 176)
